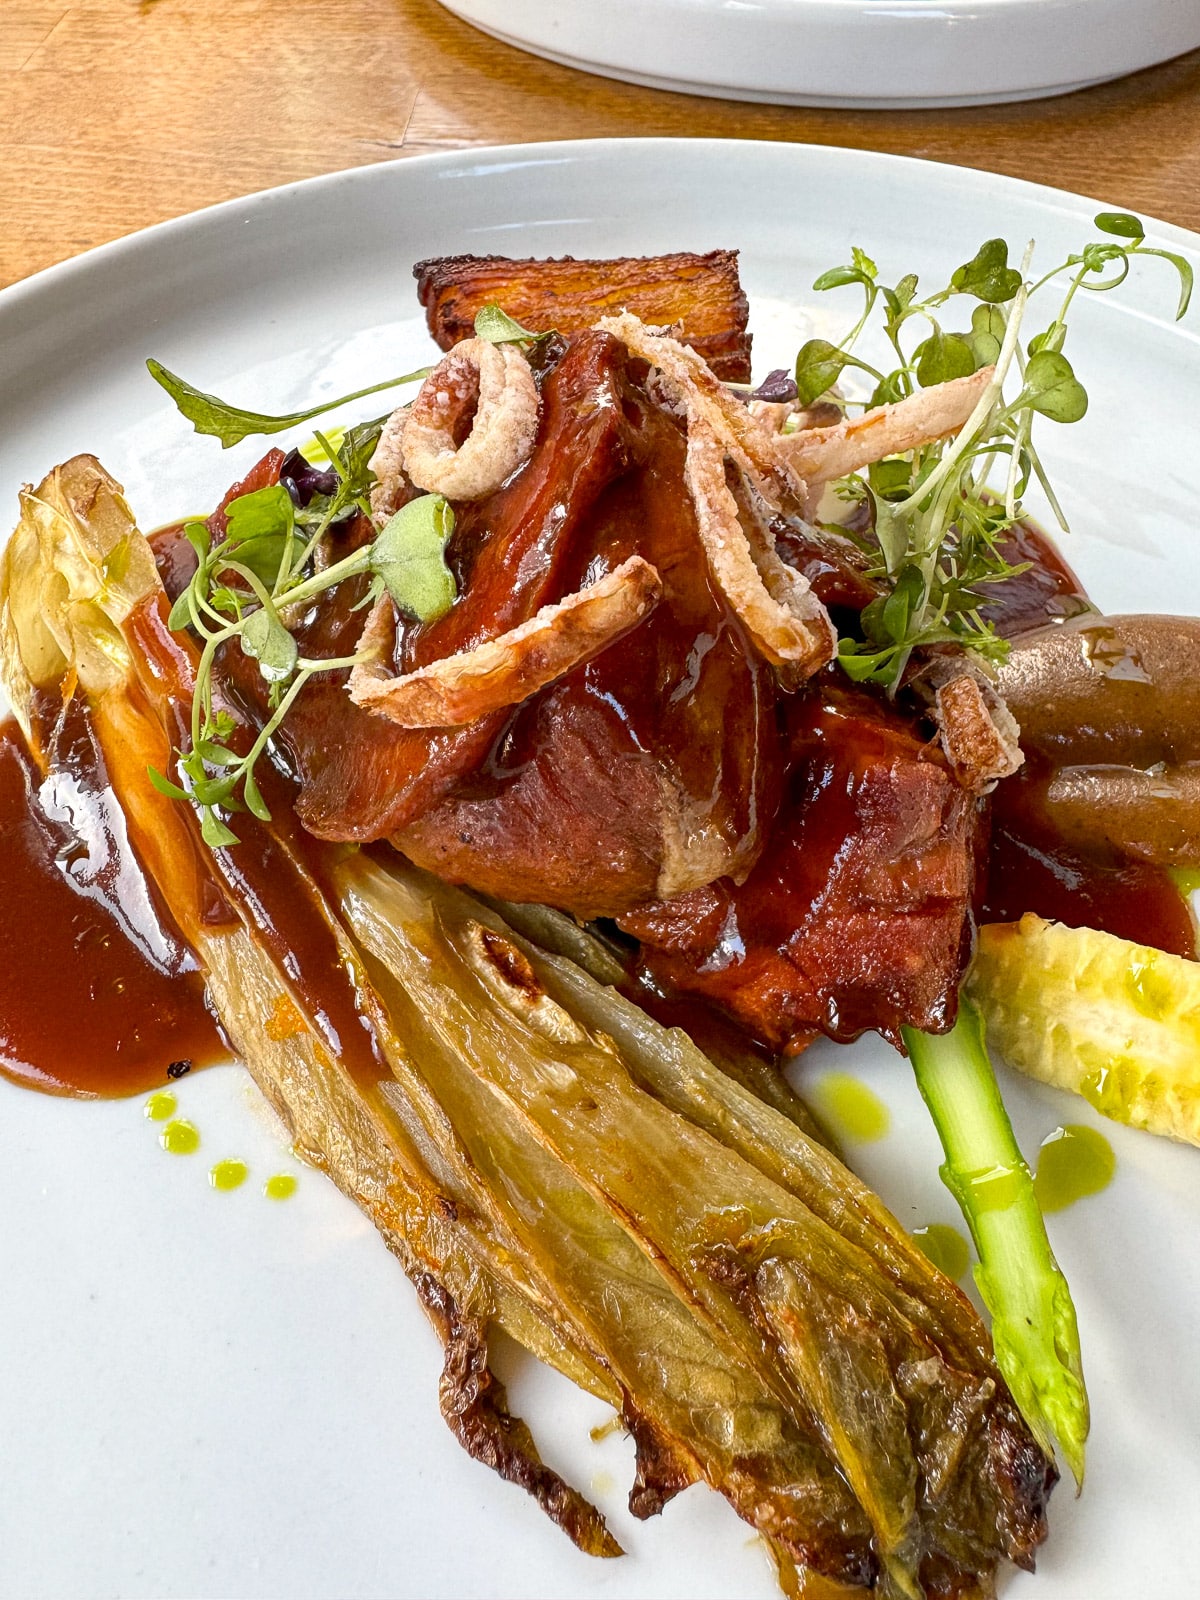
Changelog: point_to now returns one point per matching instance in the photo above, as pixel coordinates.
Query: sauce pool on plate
(98, 996)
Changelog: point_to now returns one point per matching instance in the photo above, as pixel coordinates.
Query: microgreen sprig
(939, 525)
(251, 579)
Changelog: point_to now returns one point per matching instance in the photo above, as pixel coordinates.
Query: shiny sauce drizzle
(98, 994)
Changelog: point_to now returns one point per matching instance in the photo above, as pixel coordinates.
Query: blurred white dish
(849, 52)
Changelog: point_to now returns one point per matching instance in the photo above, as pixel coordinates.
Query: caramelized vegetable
(700, 294)
(543, 1158)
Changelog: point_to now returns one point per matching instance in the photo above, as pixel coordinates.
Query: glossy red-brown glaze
(1047, 591)
(831, 561)
(858, 914)
(98, 994)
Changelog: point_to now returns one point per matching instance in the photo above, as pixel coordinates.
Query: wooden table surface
(119, 113)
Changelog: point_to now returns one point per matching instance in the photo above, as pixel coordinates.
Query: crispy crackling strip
(502, 433)
(504, 671)
(787, 622)
(821, 454)
(751, 446)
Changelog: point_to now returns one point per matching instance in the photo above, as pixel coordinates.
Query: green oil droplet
(280, 1187)
(852, 1110)
(160, 1106)
(180, 1138)
(945, 1247)
(1074, 1162)
(228, 1175)
(992, 1188)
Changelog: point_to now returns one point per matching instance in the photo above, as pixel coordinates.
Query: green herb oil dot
(280, 1187)
(852, 1110)
(1074, 1162)
(180, 1138)
(945, 1247)
(160, 1106)
(228, 1175)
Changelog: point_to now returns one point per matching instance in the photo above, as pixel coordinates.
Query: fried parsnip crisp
(701, 295)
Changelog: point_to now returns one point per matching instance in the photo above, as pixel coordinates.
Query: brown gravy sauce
(98, 994)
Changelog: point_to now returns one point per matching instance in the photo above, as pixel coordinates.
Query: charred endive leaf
(543, 1158)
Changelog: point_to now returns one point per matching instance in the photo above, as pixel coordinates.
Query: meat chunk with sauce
(858, 914)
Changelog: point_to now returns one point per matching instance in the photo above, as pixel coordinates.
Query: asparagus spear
(1034, 1330)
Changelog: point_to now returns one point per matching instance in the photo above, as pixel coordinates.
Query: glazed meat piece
(363, 777)
(650, 770)
(858, 915)
(699, 294)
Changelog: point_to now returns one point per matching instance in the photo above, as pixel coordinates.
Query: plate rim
(24, 292)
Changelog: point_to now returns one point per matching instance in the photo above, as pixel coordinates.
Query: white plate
(849, 52)
(207, 1394)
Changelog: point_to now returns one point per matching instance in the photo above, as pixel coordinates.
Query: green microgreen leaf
(259, 531)
(986, 335)
(943, 356)
(889, 389)
(906, 598)
(1186, 276)
(988, 275)
(891, 478)
(409, 558)
(216, 755)
(1052, 389)
(1052, 340)
(899, 299)
(198, 536)
(862, 664)
(165, 786)
(818, 367)
(839, 277)
(497, 327)
(1121, 223)
(252, 795)
(265, 638)
(218, 419)
(216, 835)
(180, 614)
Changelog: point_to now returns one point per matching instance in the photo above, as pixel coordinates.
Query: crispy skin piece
(701, 294)
(858, 914)
(458, 689)
(979, 733)
(821, 454)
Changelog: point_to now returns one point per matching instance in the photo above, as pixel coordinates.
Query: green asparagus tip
(1034, 1330)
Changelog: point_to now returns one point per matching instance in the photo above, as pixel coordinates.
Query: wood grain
(118, 113)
